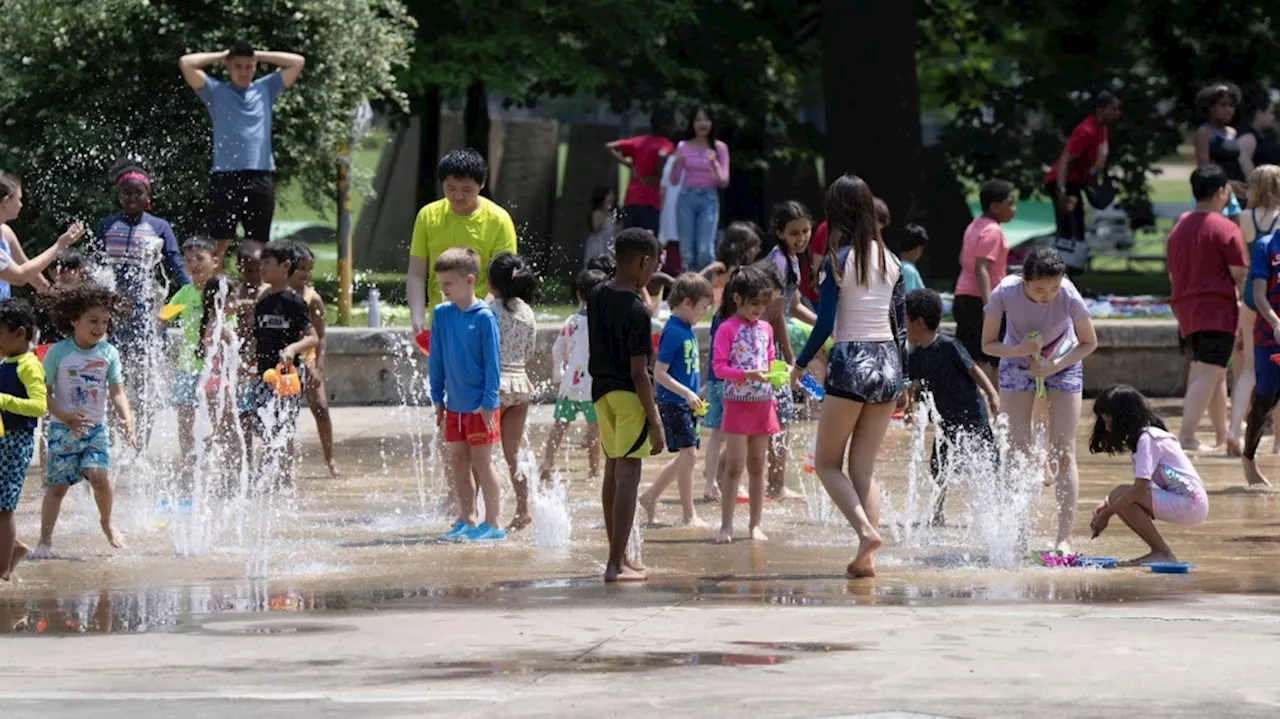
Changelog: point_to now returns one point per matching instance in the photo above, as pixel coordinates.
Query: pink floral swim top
(742, 346)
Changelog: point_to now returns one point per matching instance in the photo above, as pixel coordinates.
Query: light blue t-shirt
(911, 279)
(80, 378)
(242, 122)
(678, 349)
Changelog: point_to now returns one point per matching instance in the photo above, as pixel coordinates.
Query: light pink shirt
(984, 239)
(696, 170)
(1159, 451)
(862, 313)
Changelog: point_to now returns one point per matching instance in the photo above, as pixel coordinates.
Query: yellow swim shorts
(624, 428)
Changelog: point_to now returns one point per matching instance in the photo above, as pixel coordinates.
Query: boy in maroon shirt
(1207, 267)
(645, 155)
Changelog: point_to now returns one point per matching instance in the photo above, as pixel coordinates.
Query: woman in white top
(1261, 219)
(862, 302)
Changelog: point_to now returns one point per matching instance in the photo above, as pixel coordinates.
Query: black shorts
(1210, 347)
(679, 425)
(1070, 224)
(642, 216)
(243, 197)
(969, 315)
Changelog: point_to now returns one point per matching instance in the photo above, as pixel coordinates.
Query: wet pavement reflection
(369, 543)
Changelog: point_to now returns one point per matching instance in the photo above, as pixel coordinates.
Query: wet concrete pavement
(354, 608)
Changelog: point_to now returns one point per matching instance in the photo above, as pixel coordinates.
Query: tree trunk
(873, 101)
(475, 124)
(428, 108)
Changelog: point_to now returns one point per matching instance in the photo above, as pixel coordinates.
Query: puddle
(589, 664)
(263, 629)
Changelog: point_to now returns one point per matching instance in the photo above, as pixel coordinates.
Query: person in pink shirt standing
(701, 170)
(646, 155)
(984, 259)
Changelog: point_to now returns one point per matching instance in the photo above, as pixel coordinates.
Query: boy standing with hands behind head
(621, 346)
(464, 375)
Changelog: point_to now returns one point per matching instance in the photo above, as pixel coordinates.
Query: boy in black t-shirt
(940, 365)
(282, 332)
(618, 332)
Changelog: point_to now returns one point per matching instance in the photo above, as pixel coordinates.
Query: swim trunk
(272, 414)
(16, 448)
(624, 428)
(784, 404)
(964, 442)
(715, 405)
(71, 453)
(1210, 347)
(242, 197)
(679, 424)
(184, 389)
(1187, 510)
(866, 372)
(1015, 378)
(969, 315)
(469, 427)
(1266, 372)
(567, 410)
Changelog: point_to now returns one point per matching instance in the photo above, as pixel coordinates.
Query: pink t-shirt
(1054, 320)
(982, 238)
(741, 346)
(1159, 451)
(696, 170)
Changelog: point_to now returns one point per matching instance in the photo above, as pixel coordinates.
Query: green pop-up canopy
(1035, 219)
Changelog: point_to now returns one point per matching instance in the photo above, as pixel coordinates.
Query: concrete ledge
(381, 366)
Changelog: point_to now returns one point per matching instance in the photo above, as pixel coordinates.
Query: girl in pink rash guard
(1165, 485)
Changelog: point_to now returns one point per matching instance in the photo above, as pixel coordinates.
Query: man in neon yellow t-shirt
(462, 218)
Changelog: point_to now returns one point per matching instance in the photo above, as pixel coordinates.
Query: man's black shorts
(243, 197)
(969, 314)
(1210, 347)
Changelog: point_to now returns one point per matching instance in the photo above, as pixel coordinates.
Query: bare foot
(1063, 547)
(1150, 559)
(634, 565)
(520, 522)
(758, 535)
(862, 565)
(696, 522)
(786, 494)
(334, 471)
(625, 574)
(20, 552)
(1254, 477)
(725, 536)
(1190, 445)
(650, 507)
(42, 551)
(711, 493)
(113, 536)
(1233, 447)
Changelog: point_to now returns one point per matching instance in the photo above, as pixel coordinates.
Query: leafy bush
(84, 82)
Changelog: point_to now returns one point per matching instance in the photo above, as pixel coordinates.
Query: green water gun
(1041, 390)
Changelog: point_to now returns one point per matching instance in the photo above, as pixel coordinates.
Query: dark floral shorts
(867, 372)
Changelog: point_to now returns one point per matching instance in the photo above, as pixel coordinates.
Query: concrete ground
(573, 647)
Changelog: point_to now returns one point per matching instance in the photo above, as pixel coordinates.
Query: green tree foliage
(1014, 76)
(84, 82)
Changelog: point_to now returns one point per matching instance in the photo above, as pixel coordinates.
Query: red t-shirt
(1202, 248)
(817, 246)
(648, 154)
(1086, 141)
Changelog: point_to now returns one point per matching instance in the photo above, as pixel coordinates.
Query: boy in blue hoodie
(464, 370)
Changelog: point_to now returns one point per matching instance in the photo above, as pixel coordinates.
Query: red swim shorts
(470, 428)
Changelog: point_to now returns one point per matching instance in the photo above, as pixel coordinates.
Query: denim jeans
(697, 218)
